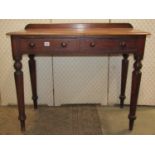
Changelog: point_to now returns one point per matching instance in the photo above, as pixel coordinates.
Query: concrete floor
(77, 120)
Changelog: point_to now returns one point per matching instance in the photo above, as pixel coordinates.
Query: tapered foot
(122, 98)
(131, 122)
(35, 103)
(22, 125)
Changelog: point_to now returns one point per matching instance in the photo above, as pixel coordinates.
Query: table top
(95, 29)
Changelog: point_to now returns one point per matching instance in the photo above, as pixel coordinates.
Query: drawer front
(76, 46)
(36, 44)
(49, 45)
(107, 44)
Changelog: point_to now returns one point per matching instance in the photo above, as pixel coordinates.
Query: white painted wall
(147, 89)
(7, 85)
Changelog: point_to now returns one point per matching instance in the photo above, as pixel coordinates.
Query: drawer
(36, 44)
(107, 44)
(54, 45)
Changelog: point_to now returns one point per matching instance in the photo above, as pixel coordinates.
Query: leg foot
(131, 122)
(22, 123)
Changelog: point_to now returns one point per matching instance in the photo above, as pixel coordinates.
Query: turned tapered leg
(136, 78)
(125, 63)
(32, 68)
(20, 90)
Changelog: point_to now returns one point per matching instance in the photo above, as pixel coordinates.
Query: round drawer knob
(123, 44)
(92, 44)
(63, 44)
(32, 45)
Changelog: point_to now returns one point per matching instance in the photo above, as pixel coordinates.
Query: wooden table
(97, 39)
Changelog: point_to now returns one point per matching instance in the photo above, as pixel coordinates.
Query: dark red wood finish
(20, 90)
(76, 46)
(32, 68)
(136, 79)
(47, 45)
(125, 63)
(79, 25)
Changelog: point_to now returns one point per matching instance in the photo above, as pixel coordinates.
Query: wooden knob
(63, 44)
(32, 45)
(92, 44)
(123, 44)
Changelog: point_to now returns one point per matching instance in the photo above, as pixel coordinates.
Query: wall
(76, 79)
(44, 72)
(147, 89)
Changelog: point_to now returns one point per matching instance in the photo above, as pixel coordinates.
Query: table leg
(125, 63)
(32, 68)
(18, 74)
(136, 78)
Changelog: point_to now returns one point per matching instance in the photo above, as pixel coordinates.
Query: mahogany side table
(89, 39)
